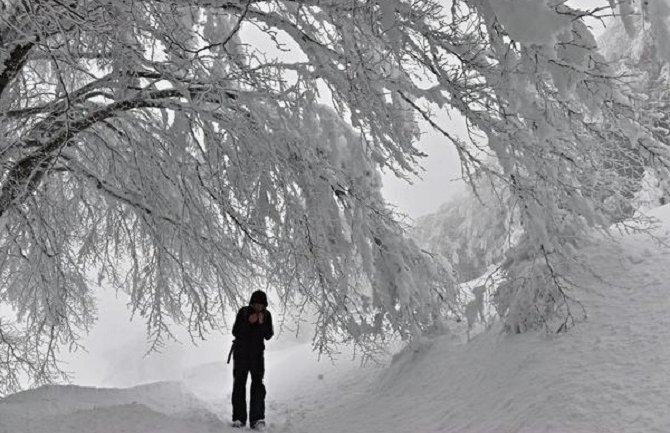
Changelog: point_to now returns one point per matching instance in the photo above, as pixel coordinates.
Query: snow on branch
(188, 151)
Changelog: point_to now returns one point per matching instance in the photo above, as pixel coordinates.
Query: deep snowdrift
(611, 373)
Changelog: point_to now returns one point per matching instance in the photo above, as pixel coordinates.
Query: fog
(116, 347)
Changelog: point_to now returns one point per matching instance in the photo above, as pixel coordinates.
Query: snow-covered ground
(611, 373)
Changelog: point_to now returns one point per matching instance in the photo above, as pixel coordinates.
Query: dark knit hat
(259, 297)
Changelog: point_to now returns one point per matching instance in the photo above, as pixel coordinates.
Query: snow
(659, 15)
(530, 21)
(607, 374)
(198, 404)
(158, 407)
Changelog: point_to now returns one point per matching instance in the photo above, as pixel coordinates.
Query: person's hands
(253, 318)
(260, 317)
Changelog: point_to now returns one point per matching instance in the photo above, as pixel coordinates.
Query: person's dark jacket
(249, 337)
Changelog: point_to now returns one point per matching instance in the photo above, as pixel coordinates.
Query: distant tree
(636, 51)
(473, 231)
(165, 144)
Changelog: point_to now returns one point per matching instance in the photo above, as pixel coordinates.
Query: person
(253, 325)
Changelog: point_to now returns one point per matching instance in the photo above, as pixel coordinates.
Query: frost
(189, 152)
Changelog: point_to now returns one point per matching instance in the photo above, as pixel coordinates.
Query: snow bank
(608, 374)
(296, 380)
(159, 407)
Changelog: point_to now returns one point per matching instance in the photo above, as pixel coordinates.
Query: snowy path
(609, 374)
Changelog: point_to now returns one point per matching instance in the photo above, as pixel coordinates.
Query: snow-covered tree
(150, 142)
(172, 146)
(568, 141)
(473, 231)
(637, 52)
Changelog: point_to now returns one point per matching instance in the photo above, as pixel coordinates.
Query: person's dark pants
(245, 363)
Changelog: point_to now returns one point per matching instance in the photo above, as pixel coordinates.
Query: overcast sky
(438, 181)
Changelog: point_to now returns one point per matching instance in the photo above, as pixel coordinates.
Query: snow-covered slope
(609, 374)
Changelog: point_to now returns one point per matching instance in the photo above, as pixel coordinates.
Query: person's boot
(259, 425)
(237, 424)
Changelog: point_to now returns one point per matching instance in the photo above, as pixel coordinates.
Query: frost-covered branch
(151, 143)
